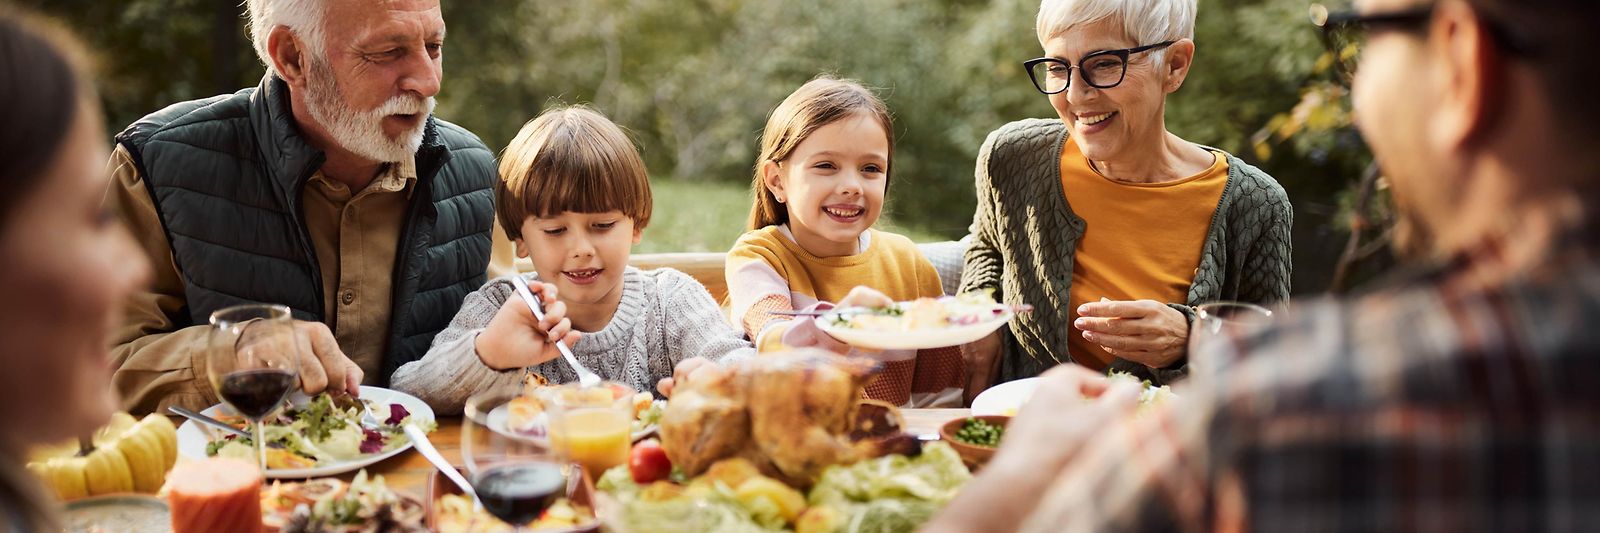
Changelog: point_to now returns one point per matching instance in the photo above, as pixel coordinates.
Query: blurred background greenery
(693, 80)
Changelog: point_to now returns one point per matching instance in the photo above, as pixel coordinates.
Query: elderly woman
(68, 264)
(1110, 225)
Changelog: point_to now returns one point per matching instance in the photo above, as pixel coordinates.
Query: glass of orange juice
(591, 426)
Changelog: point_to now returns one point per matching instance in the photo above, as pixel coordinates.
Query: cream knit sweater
(664, 317)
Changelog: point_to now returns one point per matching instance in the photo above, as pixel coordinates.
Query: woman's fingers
(1125, 343)
(1120, 309)
(1114, 326)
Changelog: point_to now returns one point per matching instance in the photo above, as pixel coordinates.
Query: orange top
(1141, 241)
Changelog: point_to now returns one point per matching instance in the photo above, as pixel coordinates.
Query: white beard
(361, 132)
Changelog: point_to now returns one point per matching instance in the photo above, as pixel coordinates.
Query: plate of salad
(330, 505)
(918, 324)
(316, 436)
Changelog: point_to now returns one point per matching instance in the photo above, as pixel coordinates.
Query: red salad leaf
(397, 413)
(373, 443)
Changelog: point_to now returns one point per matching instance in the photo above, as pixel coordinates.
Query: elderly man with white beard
(329, 188)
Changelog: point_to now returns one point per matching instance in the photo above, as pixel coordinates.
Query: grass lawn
(708, 217)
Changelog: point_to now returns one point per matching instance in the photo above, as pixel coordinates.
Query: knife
(203, 419)
(420, 441)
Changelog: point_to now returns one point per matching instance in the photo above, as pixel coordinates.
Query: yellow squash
(107, 472)
(64, 474)
(128, 455)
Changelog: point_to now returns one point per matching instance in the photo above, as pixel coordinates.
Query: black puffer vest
(226, 175)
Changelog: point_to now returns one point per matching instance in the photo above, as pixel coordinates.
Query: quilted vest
(226, 175)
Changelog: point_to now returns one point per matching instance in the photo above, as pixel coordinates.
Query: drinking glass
(1218, 320)
(252, 359)
(591, 426)
(515, 476)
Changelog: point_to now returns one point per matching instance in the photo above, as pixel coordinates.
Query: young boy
(574, 196)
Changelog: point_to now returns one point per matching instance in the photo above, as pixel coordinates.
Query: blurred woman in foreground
(68, 265)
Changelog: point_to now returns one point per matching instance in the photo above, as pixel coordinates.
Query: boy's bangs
(580, 175)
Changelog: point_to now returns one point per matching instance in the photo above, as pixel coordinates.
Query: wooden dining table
(410, 473)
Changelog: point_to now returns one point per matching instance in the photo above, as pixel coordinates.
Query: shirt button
(349, 296)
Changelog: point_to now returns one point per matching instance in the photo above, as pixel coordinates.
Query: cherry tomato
(648, 463)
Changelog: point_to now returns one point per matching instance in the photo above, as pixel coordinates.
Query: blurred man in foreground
(1460, 396)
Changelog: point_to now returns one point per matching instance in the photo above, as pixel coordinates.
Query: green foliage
(152, 53)
(693, 81)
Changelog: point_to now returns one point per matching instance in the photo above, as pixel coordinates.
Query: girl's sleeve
(755, 288)
(694, 323)
(451, 372)
(928, 285)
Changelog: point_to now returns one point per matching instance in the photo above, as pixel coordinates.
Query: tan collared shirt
(355, 235)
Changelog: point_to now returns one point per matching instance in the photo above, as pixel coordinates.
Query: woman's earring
(779, 198)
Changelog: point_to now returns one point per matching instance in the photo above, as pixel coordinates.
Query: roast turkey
(791, 414)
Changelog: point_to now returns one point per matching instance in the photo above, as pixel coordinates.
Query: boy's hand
(685, 371)
(514, 339)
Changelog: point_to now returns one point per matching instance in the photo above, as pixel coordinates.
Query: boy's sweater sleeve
(451, 372)
(695, 324)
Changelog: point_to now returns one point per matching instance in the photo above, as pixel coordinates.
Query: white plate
(192, 439)
(499, 419)
(920, 339)
(1005, 398)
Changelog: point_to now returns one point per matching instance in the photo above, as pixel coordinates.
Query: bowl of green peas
(975, 437)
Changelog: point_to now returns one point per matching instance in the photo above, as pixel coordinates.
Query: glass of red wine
(252, 359)
(516, 477)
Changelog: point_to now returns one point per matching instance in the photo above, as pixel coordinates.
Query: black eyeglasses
(1345, 32)
(1101, 70)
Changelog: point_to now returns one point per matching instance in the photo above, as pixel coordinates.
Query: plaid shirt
(1450, 403)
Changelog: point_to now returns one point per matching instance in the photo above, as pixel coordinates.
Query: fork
(367, 420)
(586, 378)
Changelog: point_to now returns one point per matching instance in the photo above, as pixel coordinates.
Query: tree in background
(693, 80)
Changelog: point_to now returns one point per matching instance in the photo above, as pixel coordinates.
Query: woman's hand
(514, 339)
(1144, 331)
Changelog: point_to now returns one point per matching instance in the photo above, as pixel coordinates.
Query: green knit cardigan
(1025, 235)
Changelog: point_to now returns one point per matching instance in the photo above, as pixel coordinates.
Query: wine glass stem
(261, 447)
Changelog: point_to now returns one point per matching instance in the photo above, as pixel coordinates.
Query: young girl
(574, 196)
(819, 187)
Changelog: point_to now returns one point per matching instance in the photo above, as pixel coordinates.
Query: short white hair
(1143, 21)
(303, 17)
